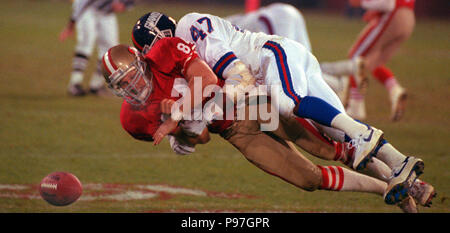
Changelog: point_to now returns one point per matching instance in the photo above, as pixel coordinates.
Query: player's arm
(195, 68)
(207, 33)
(374, 5)
(190, 139)
(198, 68)
(183, 143)
(197, 130)
(78, 8)
(119, 6)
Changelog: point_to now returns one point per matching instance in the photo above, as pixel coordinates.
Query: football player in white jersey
(260, 59)
(95, 22)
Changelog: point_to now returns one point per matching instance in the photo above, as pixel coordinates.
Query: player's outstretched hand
(166, 106)
(118, 7)
(66, 32)
(164, 129)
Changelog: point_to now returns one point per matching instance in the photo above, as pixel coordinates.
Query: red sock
(332, 177)
(354, 90)
(343, 153)
(385, 76)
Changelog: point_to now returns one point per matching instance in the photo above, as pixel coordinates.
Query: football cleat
(408, 205)
(364, 146)
(356, 108)
(402, 179)
(423, 193)
(76, 90)
(398, 98)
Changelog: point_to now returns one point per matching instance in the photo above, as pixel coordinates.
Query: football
(60, 188)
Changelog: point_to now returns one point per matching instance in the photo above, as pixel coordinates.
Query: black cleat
(76, 90)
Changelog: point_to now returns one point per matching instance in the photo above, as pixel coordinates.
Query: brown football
(60, 188)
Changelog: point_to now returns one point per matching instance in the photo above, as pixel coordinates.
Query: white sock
(347, 124)
(391, 156)
(97, 81)
(378, 169)
(76, 77)
(337, 178)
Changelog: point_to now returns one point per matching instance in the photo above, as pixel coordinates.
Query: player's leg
(399, 30)
(383, 37)
(309, 138)
(86, 34)
(272, 156)
(405, 172)
(339, 84)
(276, 157)
(108, 36)
(291, 71)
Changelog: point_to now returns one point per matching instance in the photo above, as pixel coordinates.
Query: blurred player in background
(390, 24)
(287, 21)
(275, 19)
(96, 23)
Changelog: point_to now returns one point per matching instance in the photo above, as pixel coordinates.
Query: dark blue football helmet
(150, 28)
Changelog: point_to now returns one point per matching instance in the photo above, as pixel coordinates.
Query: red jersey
(167, 60)
(405, 3)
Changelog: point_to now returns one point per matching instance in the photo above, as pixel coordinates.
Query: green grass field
(44, 130)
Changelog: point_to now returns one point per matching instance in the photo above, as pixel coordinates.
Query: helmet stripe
(111, 61)
(107, 63)
(135, 42)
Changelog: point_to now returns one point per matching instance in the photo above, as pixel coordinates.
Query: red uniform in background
(167, 60)
(390, 23)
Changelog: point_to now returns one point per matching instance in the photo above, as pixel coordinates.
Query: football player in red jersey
(390, 24)
(146, 82)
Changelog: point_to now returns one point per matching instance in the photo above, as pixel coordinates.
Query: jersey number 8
(183, 48)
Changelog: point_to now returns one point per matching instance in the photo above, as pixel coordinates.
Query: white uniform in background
(96, 23)
(273, 60)
(275, 19)
(287, 21)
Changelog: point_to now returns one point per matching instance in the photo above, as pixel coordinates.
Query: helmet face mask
(132, 83)
(127, 75)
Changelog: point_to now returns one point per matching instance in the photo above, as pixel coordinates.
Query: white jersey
(100, 6)
(275, 61)
(219, 43)
(275, 19)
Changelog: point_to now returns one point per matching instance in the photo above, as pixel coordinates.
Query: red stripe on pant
(311, 128)
(284, 71)
(372, 43)
(365, 36)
